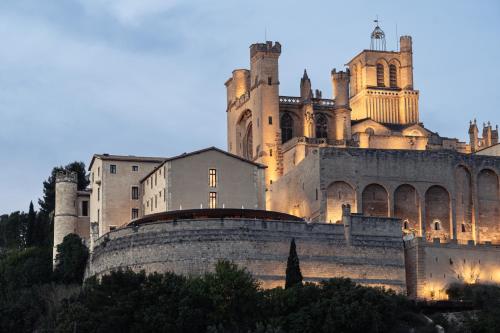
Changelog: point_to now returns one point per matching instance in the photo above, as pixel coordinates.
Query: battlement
(66, 176)
(267, 47)
(340, 75)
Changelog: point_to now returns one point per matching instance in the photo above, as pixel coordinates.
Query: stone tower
(382, 85)
(253, 109)
(65, 217)
(342, 111)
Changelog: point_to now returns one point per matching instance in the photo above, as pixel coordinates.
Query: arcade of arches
(433, 212)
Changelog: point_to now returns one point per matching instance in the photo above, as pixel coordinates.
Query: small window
(212, 177)
(92, 177)
(270, 152)
(151, 182)
(393, 76)
(270, 120)
(269, 80)
(85, 208)
(156, 179)
(463, 227)
(156, 201)
(437, 225)
(112, 227)
(98, 171)
(147, 203)
(212, 200)
(135, 168)
(135, 213)
(98, 193)
(317, 194)
(98, 215)
(405, 224)
(135, 193)
(159, 193)
(159, 171)
(112, 168)
(380, 75)
(164, 195)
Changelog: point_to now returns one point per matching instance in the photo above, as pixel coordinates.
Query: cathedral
(365, 146)
(367, 190)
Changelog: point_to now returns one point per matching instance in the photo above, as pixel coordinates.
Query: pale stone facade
(364, 148)
(209, 178)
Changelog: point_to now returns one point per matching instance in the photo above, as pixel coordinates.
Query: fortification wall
(432, 266)
(194, 246)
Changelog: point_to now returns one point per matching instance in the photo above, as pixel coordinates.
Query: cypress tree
(30, 227)
(293, 274)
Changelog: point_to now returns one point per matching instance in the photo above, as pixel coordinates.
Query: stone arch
(337, 194)
(463, 202)
(248, 142)
(407, 206)
(437, 209)
(242, 125)
(488, 206)
(375, 201)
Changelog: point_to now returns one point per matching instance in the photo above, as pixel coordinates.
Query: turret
(342, 110)
(264, 82)
(305, 87)
(473, 136)
(406, 51)
(487, 134)
(65, 215)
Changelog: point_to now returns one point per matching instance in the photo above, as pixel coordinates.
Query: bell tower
(382, 82)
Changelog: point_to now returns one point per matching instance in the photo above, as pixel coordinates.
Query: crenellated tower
(253, 109)
(341, 110)
(66, 211)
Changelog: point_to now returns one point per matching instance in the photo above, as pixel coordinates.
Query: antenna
(397, 37)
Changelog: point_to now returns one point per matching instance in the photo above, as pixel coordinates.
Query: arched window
(437, 225)
(248, 143)
(380, 75)
(321, 126)
(405, 225)
(286, 127)
(393, 76)
(463, 227)
(369, 131)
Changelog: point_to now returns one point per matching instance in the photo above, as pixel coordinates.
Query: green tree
(47, 204)
(30, 226)
(71, 260)
(293, 273)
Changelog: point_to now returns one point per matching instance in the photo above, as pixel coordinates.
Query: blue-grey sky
(146, 77)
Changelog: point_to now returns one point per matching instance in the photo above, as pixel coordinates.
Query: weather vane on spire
(377, 38)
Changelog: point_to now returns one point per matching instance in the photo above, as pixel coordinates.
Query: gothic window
(286, 127)
(248, 143)
(321, 126)
(380, 75)
(393, 76)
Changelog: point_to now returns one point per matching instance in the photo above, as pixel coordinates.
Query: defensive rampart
(370, 253)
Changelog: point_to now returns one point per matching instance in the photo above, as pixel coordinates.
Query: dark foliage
(47, 204)
(293, 273)
(71, 260)
(487, 298)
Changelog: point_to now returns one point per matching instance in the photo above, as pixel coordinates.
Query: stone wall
(374, 256)
(432, 266)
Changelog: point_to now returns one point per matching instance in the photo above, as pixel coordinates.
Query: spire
(305, 77)
(377, 38)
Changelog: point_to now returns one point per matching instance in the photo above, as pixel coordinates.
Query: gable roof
(390, 126)
(196, 152)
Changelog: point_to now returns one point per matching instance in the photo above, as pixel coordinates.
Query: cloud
(129, 12)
